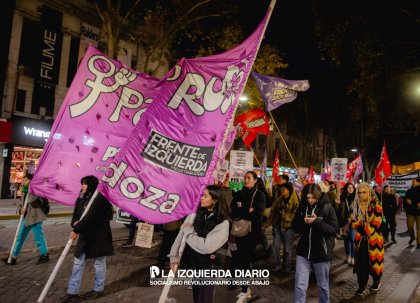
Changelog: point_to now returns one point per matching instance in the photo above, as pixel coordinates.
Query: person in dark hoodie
(94, 236)
(209, 233)
(317, 224)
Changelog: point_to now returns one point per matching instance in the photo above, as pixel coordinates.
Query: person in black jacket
(248, 204)
(316, 222)
(93, 232)
(389, 206)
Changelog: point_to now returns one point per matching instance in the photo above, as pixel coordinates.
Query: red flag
(311, 175)
(383, 170)
(251, 123)
(276, 166)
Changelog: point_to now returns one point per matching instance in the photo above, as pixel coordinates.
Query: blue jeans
(283, 238)
(287, 239)
(77, 274)
(38, 236)
(349, 243)
(276, 246)
(322, 274)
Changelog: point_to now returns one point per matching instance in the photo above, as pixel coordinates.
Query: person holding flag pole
(200, 125)
(31, 218)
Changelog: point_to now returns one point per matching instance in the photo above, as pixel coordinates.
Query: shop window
(20, 100)
(24, 161)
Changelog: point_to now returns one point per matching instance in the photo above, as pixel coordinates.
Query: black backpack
(45, 205)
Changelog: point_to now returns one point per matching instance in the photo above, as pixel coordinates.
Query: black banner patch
(177, 156)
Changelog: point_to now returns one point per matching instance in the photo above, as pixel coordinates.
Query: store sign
(30, 132)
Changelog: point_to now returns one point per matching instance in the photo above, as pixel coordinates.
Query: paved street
(128, 273)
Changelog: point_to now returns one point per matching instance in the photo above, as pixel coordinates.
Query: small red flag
(311, 175)
(276, 166)
(383, 170)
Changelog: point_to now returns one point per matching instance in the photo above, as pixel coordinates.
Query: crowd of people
(310, 220)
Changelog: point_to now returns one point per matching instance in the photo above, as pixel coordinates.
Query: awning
(5, 131)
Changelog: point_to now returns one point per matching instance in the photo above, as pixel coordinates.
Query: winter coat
(389, 204)
(283, 211)
(241, 204)
(202, 241)
(371, 231)
(33, 213)
(94, 229)
(316, 241)
(414, 195)
(344, 211)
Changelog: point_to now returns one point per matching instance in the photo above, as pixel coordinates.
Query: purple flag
(276, 92)
(101, 108)
(359, 169)
(162, 171)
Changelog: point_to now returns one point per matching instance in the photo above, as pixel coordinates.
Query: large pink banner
(160, 174)
(102, 106)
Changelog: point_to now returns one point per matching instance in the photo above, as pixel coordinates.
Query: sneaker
(348, 261)
(12, 262)
(394, 241)
(352, 262)
(241, 298)
(92, 295)
(361, 291)
(128, 244)
(69, 298)
(375, 286)
(386, 241)
(43, 259)
(411, 241)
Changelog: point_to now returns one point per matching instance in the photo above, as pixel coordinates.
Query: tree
(370, 40)
(117, 19)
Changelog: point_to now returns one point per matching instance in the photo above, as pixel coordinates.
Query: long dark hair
(222, 207)
(312, 189)
(345, 195)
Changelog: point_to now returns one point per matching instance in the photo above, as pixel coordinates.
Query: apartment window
(20, 100)
(29, 46)
(73, 59)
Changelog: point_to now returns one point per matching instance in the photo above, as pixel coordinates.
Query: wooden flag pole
(255, 156)
(285, 145)
(25, 204)
(63, 255)
(163, 296)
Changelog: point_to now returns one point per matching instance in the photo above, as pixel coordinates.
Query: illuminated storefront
(27, 142)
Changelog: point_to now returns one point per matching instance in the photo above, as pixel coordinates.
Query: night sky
(291, 31)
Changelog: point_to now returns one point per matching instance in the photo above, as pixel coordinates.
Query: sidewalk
(128, 274)
(8, 209)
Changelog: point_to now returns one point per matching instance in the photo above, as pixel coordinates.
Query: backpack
(45, 205)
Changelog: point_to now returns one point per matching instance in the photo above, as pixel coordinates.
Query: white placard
(339, 169)
(240, 163)
(144, 235)
(221, 173)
